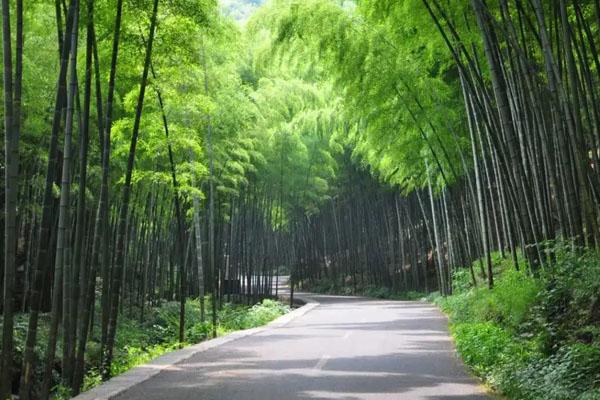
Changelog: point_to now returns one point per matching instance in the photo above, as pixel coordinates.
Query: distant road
(345, 348)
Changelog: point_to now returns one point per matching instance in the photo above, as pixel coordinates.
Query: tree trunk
(123, 214)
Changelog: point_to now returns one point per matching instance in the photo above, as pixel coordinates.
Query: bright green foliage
(483, 345)
(569, 306)
(530, 338)
(401, 98)
(236, 317)
(507, 304)
(572, 373)
(304, 92)
(185, 46)
(138, 343)
(297, 119)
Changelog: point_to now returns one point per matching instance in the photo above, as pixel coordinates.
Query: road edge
(482, 383)
(121, 383)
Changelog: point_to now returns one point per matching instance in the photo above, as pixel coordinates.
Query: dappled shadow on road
(341, 378)
(427, 324)
(382, 356)
(235, 374)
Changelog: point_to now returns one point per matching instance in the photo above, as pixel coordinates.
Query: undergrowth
(328, 286)
(139, 342)
(529, 337)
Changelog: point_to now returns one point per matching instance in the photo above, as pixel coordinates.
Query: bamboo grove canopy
(157, 150)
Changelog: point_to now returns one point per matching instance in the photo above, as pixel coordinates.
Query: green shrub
(481, 345)
(593, 394)
(198, 332)
(265, 312)
(434, 297)
(507, 304)
(327, 286)
(457, 306)
(515, 292)
(461, 280)
(378, 292)
(132, 356)
(569, 307)
(236, 317)
(412, 295)
(533, 338)
(572, 373)
(137, 342)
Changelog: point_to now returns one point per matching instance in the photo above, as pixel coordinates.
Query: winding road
(348, 348)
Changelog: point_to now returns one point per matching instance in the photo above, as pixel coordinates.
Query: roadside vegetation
(327, 286)
(139, 342)
(158, 151)
(532, 337)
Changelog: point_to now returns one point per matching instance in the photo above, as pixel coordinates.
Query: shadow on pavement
(232, 374)
(382, 354)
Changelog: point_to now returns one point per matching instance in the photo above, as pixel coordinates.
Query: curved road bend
(346, 348)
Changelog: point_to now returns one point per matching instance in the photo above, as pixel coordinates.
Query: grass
(533, 338)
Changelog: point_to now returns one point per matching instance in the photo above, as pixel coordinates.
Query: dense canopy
(166, 151)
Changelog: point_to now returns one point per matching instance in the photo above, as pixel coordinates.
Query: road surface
(345, 348)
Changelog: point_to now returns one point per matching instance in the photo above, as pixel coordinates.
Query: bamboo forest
(179, 170)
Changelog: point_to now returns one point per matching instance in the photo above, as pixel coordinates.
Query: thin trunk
(103, 206)
(81, 314)
(123, 214)
(11, 173)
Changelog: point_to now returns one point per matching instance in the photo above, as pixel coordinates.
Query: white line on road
(347, 335)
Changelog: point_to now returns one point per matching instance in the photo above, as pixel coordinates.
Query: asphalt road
(345, 348)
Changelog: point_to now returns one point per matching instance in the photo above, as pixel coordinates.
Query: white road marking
(347, 335)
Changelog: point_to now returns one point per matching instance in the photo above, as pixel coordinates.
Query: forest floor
(343, 348)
